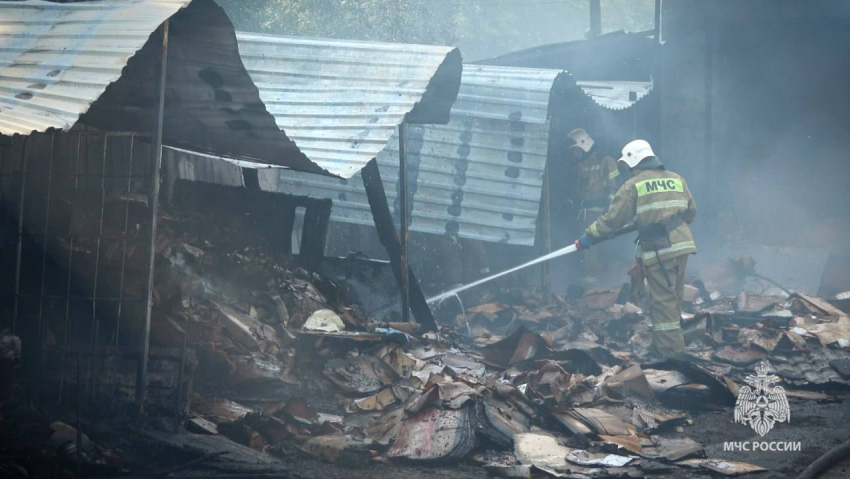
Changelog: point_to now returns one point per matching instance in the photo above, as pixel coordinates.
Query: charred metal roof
(480, 176)
(341, 100)
(96, 63)
(211, 103)
(56, 59)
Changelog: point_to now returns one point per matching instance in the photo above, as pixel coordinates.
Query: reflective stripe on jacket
(651, 196)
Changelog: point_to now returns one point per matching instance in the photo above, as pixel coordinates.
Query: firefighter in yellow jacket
(596, 180)
(659, 203)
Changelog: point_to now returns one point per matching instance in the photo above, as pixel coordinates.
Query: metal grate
(74, 220)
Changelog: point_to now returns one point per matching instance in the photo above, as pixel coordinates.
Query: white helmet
(635, 152)
(581, 139)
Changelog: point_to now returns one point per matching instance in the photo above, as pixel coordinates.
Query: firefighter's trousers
(665, 305)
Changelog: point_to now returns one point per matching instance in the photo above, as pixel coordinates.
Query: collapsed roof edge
(211, 102)
(341, 100)
(441, 93)
(48, 83)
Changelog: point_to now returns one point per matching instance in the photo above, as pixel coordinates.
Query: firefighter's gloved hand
(584, 242)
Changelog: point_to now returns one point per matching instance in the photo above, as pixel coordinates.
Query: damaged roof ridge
(420, 71)
(303, 80)
(439, 90)
(168, 8)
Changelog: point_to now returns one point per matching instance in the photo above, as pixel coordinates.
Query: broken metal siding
(479, 177)
(206, 168)
(96, 63)
(615, 95)
(211, 103)
(340, 100)
(56, 59)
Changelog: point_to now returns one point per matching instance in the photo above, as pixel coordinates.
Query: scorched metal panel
(479, 177)
(97, 64)
(341, 100)
(57, 58)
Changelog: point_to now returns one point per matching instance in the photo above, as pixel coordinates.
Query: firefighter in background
(660, 204)
(596, 182)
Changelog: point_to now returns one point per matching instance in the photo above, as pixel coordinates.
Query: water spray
(555, 254)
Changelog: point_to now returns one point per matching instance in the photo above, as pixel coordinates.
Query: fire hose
(824, 462)
(554, 254)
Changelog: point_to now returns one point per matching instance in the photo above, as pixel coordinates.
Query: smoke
(771, 173)
(780, 130)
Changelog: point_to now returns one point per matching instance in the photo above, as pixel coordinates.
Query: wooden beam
(389, 238)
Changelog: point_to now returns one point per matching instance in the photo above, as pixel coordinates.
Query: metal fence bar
(94, 317)
(20, 235)
(117, 330)
(153, 206)
(70, 263)
(79, 415)
(178, 413)
(124, 242)
(5, 151)
(41, 328)
(404, 227)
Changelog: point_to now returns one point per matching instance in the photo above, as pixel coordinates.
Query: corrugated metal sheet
(479, 176)
(340, 100)
(207, 168)
(615, 95)
(97, 62)
(56, 59)
(211, 103)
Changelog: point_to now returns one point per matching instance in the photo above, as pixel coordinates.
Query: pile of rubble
(286, 361)
(287, 364)
(238, 305)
